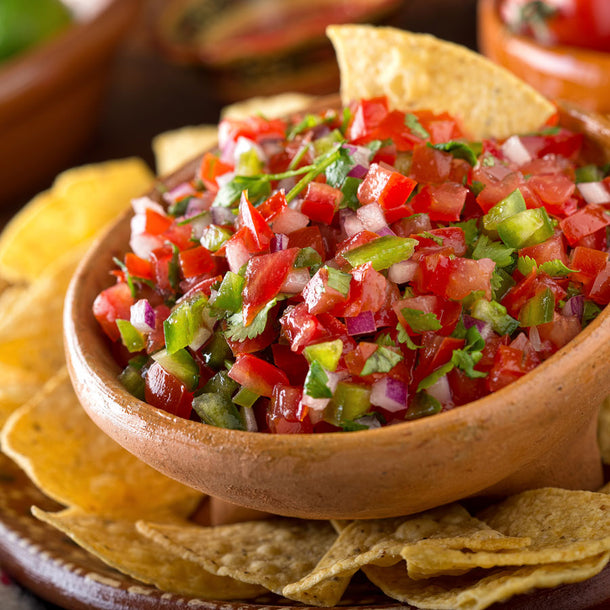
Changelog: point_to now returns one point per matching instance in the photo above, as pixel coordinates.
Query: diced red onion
(289, 220)
(334, 378)
(385, 231)
(441, 391)
(361, 324)
(361, 155)
(574, 306)
(295, 282)
(389, 394)
(350, 222)
(222, 216)
(142, 244)
(141, 204)
(184, 189)
(372, 217)
(358, 171)
(142, 316)
(279, 242)
(483, 327)
(403, 272)
(237, 255)
(594, 192)
(249, 419)
(315, 404)
(534, 338)
(514, 150)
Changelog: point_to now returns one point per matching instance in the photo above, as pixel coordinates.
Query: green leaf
(420, 321)
(555, 268)
(501, 283)
(590, 312)
(469, 151)
(495, 250)
(257, 187)
(403, 337)
(316, 382)
(412, 122)
(336, 172)
(526, 264)
(471, 230)
(430, 380)
(382, 360)
(236, 331)
(309, 122)
(338, 280)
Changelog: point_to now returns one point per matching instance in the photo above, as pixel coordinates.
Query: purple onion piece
(222, 216)
(574, 306)
(143, 316)
(358, 171)
(385, 231)
(361, 324)
(279, 242)
(178, 192)
(389, 394)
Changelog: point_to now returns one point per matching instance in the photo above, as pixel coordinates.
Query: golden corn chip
(419, 71)
(174, 148)
(272, 106)
(563, 525)
(603, 431)
(80, 202)
(382, 542)
(480, 589)
(31, 334)
(271, 553)
(73, 462)
(117, 543)
(16, 387)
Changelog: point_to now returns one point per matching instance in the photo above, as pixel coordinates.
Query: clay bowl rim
(121, 416)
(41, 69)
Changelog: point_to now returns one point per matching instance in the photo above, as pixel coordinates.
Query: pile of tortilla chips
(138, 521)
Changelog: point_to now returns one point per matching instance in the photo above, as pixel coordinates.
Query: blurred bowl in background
(263, 47)
(575, 74)
(51, 96)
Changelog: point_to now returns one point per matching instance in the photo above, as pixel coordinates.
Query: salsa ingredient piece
(357, 269)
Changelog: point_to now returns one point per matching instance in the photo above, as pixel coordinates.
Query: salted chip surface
(382, 542)
(270, 106)
(419, 71)
(563, 525)
(603, 431)
(73, 462)
(17, 386)
(31, 335)
(174, 148)
(118, 544)
(271, 553)
(480, 589)
(81, 201)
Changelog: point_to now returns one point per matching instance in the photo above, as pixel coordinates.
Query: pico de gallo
(357, 268)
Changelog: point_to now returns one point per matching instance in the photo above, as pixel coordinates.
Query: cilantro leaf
(526, 264)
(412, 122)
(236, 331)
(469, 151)
(430, 380)
(555, 268)
(403, 337)
(316, 382)
(495, 250)
(420, 321)
(257, 188)
(382, 360)
(471, 230)
(336, 172)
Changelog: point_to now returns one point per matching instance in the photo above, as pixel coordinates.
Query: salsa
(357, 268)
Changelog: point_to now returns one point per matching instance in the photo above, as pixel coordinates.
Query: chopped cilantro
(420, 321)
(382, 360)
(495, 250)
(236, 331)
(316, 382)
(412, 122)
(469, 151)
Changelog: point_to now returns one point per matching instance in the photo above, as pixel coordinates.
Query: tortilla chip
(605, 489)
(271, 553)
(603, 431)
(117, 543)
(16, 387)
(564, 525)
(80, 202)
(73, 462)
(382, 542)
(419, 71)
(273, 106)
(480, 589)
(174, 148)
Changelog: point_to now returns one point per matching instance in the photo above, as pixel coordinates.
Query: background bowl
(559, 72)
(51, 96)
(540, 430)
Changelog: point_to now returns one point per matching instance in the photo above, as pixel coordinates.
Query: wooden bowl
(51, 96)
(558, 72)
(540, 430)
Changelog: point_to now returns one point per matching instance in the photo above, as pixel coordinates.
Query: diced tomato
(273, 206)
(588, 263)
(555, 191)
(447, 312)
(529, 287)
(366, 117)
(320, 202)
(498, 182)
(417, 223)
(442, 202)
(308, 237)
(466, 389)
(430, 165)
(435, 351)
(359, 239)
(300, 327)
(319, 296)
(179, 235)
(560, 331)
(553, 248)
(253, 128)
(452, 238)
(586, 221)
(442, 127)
(210, 168)
(113, 304)
(356, 359)
(156, 339)
(286, 413)
(164, 391)
(385, 186)
(196, 261)
(293, 364)
(138, 267)
(251, 219)
(156, 223)
(600, 289)
(256, 374)
(165, 272)
(265, 275)
(367, 291)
